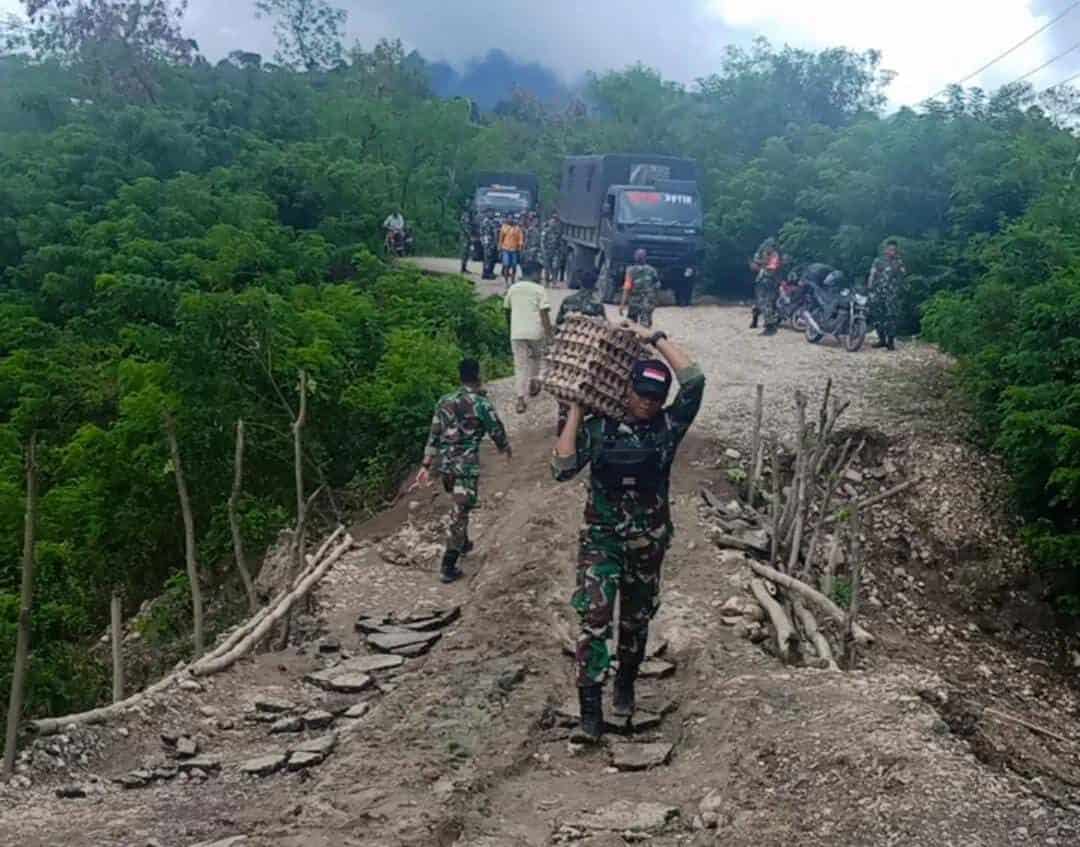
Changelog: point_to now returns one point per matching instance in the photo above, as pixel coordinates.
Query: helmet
(640, 255)
(833, 279)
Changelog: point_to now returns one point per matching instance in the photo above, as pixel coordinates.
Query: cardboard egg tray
(590, 362)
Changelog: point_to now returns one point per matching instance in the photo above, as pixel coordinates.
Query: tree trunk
(234, 521)
(301, 506)
(189, 535)
(26, 597)
(116, 627)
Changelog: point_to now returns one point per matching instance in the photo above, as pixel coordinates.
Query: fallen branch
(856, 583)
(234, 521)
(813, 633)
(862, 636)
(994, 713)
(873, 501)
(723, 539)
(220, 663)
(785, 632)
(49, 726)
(755, 447)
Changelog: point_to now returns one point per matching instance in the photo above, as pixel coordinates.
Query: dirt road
(469, 744)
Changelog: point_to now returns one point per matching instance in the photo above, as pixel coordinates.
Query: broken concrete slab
(643, 721)
(287, 724)
(187, 747)
(301, 761)
(357, 711)
(413, 650)
(264, 765)
(202, 763)
(396, 642)
(656, 647)
(641, 757)
(627, 816)
(273, 706)
(350, 683)
(323, 745)
(318, 719)
(656, 668)
(436, 620)
(362, 666)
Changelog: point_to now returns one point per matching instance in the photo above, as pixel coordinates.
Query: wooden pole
(301, 506)
(856, 581)
(116, 631)
(755, 448)
(234, 521)
(26, 597)
(189, 534)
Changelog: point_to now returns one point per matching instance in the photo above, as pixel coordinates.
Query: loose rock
(640, 757)
(318, 719)
(289, 724)
(264, 765)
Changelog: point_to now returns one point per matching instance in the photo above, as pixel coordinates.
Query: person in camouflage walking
(627, 519)
(461, 421)
(532, 260)
(769, 263)
(581, 302)
(641, 288)
(551, 247)
(885, 283)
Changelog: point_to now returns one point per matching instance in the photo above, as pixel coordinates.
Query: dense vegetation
(181, 236)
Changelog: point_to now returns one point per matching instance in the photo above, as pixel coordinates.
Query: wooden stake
(116, 627)
(856, 580)
(813, 633)
(775, 505)
(189, 534)
(785, 632)
(234, 521)
(301, 505)
(755, 448)
(26, 599)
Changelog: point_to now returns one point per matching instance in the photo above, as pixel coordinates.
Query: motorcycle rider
(394, 227)
(885, 283)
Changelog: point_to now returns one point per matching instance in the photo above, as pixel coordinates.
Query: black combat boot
(882, 341)
(623, 702)
(450, 570)
(891, 343)
(753, 319)
(770, 329)
(592, 713)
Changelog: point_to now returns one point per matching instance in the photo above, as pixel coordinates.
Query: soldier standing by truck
(551, 245)
(641, 288)
(467, 226)
(885, 283)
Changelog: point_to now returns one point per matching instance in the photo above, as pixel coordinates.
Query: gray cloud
(676, 36)
(1061, 37)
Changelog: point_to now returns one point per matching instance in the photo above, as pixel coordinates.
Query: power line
(1047, 64)
(1013, 49)
(1075, 76)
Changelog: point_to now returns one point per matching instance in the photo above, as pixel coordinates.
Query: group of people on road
(884, 284)
(628, 526)
(515, 241)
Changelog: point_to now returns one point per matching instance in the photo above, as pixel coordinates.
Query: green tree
(309, 32)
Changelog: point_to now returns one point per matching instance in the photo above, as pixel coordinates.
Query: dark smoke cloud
(676, 36)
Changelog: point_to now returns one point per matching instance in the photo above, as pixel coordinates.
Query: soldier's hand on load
(423, 478)
(643, 332)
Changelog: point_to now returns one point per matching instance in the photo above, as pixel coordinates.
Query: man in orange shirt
(511, 243)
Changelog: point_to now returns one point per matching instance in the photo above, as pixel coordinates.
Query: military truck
(505, 193)
(612, 205)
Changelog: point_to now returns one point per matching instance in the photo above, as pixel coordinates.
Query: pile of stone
(412, 635)
(590, 363)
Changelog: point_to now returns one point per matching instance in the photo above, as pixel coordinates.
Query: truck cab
(612, 206)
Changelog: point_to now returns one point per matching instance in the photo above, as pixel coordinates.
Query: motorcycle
(842, 314)
(398, 242)
(790, 304)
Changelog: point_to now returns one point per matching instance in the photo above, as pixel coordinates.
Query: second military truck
(613, 205)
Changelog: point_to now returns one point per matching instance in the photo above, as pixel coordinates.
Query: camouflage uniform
(644, 294)
(461, 421)
(551, 247)
(465, 223)
(490, 227)
(582, 302)
(886, 281)
(627, 527)
(531, 257)
(767, 284)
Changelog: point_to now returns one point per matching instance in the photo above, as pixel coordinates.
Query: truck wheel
(573, 272)
(684, 292)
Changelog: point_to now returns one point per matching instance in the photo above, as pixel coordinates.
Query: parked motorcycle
(841, 312)
(790, 304)
(398, 242)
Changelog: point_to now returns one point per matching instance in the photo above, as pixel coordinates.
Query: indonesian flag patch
(653, 373)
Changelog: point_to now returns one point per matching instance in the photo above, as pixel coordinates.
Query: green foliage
(841, 592)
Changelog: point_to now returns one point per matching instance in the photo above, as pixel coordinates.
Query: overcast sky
(929, 43)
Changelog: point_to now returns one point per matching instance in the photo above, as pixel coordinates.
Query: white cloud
(929, 43)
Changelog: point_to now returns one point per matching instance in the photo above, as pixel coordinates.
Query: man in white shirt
(530, 323)
(395, 222)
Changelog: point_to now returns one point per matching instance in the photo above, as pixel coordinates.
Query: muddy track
(468, 746)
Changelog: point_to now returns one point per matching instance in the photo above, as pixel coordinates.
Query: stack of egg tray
(590, 362)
